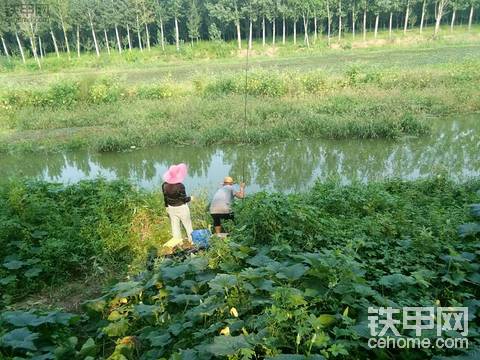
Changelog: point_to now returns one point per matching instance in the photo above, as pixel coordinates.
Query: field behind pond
(382, 91)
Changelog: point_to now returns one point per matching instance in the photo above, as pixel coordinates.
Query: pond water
(453, 148)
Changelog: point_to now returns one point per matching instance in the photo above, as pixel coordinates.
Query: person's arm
(241, 194)
(183, 194)
(164, 195)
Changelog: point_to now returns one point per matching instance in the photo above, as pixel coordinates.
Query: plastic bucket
(200, 238)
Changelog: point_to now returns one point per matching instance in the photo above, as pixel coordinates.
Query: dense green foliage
(296, 277)
(51, 233)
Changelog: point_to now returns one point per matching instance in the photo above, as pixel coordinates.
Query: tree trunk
(106, 41)
(274, 33)
(470, 18)
(20, 47)
(162, 36)
(78, 41)
(284, 31)
(315, 29)
(329, 24)
(263, 31)
(295, 32)
(119, 44)
(34, 48)
(40, 47)
(453, 19)
(148, 37)
(139, 36)
(340, 20)
(54, 43)
(94, 36)
(5, 49)
(305, 29)
(422, 19)
(177, 35)
(239, 35)
(353, 21)
(376, 25)
(250, 31)
(365, 24)
(438, 19)
(390, 26)
(407, 13)
(129, 39)
(65, 37)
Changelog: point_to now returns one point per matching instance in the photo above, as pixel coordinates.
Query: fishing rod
(245, 117)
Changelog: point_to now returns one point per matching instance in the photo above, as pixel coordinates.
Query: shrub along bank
(296, 278)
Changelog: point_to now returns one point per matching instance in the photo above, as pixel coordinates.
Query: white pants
(177, 214)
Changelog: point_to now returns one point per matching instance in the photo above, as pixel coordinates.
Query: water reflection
(292, 166)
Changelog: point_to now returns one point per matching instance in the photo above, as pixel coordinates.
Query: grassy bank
(106, 114)
(296, 277)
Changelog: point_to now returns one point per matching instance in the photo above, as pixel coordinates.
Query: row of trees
(119, 25)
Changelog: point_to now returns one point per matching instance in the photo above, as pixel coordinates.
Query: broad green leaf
(295, 357)
(475, 210)
(33, 272)
(97, 305)
(338, 349)
(21, 318)
(326, 319)
(21, 338)
(146, 310)
(13, 264)
(260, 260)
(228, 345)
(469, 229)
(173, 272)
(189, 354)
(58, 317)
(223, 281)
(89, 348)
(293, 272)
(8, 280)
(127, 289)
(117, 328)
(198, 264)
(396, 280)
(38, 234)
(158, 339)
(114, 316)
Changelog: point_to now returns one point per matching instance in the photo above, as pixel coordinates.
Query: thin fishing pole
(245, 118)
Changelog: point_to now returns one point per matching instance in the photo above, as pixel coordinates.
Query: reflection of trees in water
(143, 164)
(285, 166)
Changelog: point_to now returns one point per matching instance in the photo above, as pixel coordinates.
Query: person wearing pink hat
(176, 202)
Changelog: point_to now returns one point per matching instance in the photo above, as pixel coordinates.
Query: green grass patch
(108, 115)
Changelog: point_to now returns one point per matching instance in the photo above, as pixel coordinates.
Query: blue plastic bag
(200, 238)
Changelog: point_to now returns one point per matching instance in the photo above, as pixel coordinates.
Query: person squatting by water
(176, 203)
(221, 205)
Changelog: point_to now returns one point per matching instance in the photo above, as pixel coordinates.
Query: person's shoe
(186, 245)
(166, 251)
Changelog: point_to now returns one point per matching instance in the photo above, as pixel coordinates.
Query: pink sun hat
(175, 174)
